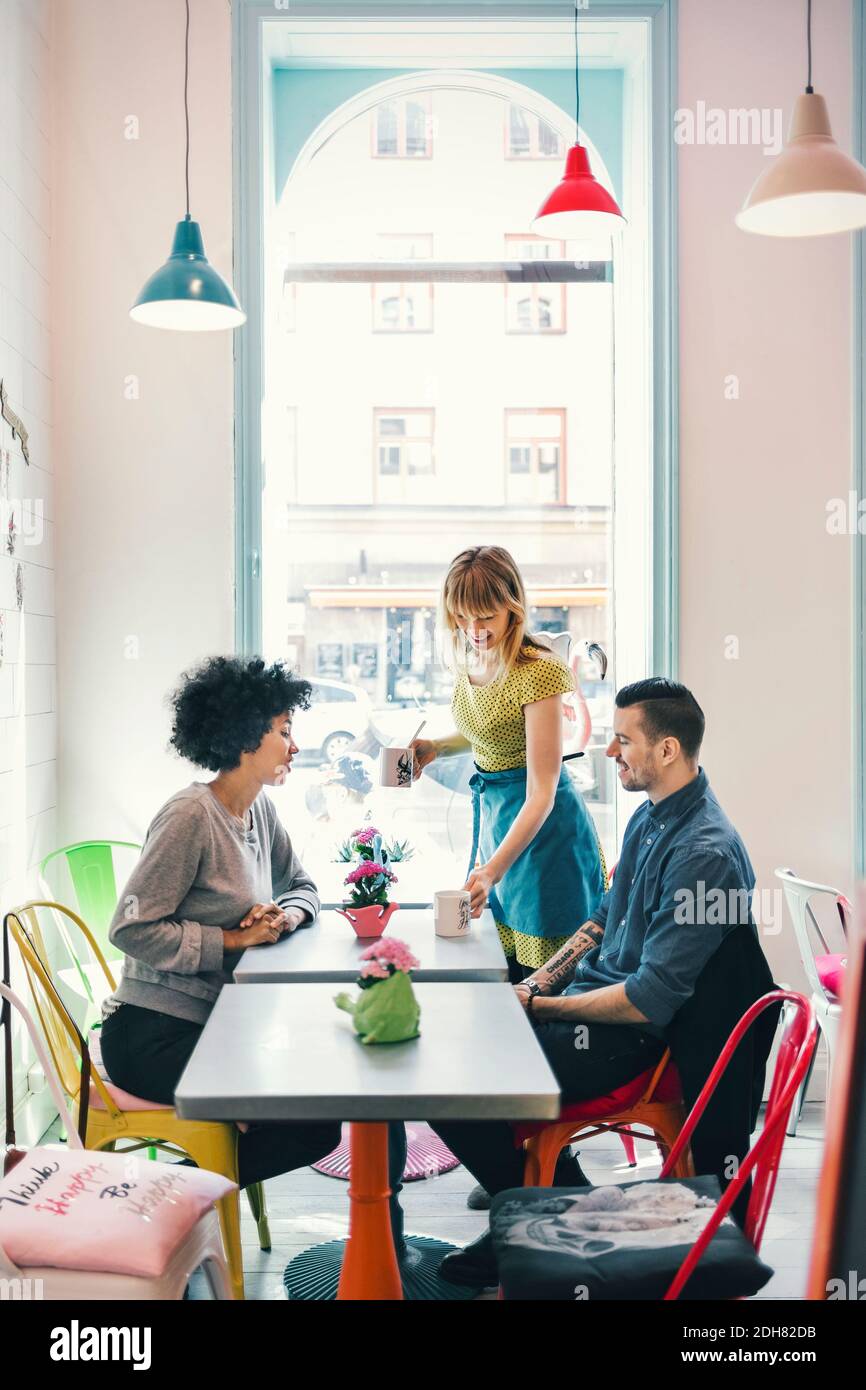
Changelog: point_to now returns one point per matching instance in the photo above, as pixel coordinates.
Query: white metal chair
(201, 1247)
(799, 893)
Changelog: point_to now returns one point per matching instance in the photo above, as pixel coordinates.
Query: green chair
(90, 865)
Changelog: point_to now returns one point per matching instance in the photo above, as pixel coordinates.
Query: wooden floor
(306, 1208)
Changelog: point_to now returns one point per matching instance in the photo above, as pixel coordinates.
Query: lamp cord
(186, 103)
(577, 79)
(809, 87)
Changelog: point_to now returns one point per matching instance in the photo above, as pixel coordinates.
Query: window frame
(402, 286)
(535, 442)
(536, 289)
(382, 411)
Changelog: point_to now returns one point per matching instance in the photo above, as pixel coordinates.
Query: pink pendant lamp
(578, 206)
(813, 188)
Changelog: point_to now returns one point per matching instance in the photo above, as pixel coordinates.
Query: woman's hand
(423, 751)
(263, 932)
(264, 924)
(292, 918)
(479, 885)
(260, 910)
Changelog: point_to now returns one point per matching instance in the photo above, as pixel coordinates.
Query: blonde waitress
(540, 868)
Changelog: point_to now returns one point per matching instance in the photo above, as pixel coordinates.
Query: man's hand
(523, 994)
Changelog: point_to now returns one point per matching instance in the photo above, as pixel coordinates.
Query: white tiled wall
(28, 709)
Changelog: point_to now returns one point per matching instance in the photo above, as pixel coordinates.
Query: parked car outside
(338, 715)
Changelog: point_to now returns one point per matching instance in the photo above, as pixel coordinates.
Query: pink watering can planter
(369, 921)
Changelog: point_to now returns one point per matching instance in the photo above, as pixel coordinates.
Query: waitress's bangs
(475, 593)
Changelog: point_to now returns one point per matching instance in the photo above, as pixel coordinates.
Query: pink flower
(365, 835)
(389, 951)
(369, 869)
(372, 969)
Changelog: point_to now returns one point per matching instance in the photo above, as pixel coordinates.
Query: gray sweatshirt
(199, 873)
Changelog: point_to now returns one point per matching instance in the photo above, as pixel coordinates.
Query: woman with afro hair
(217, 874)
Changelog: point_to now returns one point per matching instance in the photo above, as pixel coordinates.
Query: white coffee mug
(395, 767)
(452, 912)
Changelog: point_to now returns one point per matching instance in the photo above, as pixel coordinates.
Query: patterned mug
(452, 912)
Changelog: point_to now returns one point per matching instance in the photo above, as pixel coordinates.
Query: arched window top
(551, 123)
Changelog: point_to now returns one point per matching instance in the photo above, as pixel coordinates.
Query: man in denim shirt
(601, 1004)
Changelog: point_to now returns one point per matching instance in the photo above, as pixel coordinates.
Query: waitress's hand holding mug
(423, 751)
(479, 885)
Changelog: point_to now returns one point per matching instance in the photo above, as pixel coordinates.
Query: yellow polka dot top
(491, 716)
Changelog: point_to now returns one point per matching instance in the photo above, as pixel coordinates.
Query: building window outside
(529, 137)
(403, 308)
(534, 308)
(404, 462)
(403, 128)
(535, 457)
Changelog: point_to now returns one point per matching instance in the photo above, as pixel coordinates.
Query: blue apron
(557, 882)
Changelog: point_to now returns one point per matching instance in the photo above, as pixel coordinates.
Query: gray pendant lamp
(187, 293)
(812, 188)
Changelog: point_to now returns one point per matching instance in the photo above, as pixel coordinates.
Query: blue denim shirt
(683, 880)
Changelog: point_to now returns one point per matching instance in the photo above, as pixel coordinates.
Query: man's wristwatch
(533, 986)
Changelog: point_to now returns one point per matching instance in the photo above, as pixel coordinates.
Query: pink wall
(757, 472)
(144, 418)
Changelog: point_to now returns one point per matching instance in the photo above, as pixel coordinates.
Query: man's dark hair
(225, 706)
(667, 709)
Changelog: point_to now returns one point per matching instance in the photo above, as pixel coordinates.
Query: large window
(386, 452)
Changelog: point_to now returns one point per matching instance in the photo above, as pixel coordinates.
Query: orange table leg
(370, 1269)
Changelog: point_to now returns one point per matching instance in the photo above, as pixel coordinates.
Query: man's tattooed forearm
(565, 962)
(562, 965)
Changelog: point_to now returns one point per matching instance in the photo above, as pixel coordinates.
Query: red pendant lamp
(578, 207)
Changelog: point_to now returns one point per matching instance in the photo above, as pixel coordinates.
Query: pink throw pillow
(831, 973)
(113, 1212)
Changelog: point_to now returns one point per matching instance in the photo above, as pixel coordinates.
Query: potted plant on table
(386, 1010)
(368, 908)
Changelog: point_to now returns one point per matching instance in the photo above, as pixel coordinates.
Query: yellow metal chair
(114, 1114)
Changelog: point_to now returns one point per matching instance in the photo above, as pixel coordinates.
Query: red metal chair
(653, 1099)
(761, 1164)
